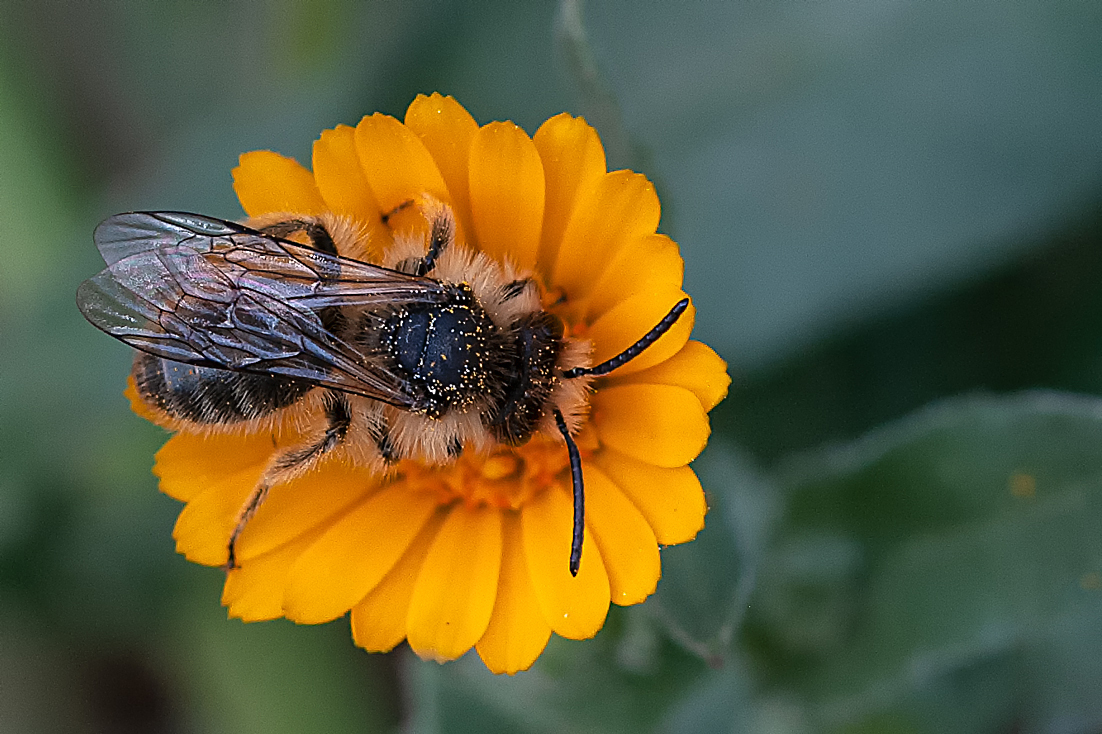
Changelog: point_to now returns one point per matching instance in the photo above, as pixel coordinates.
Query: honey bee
(434, 351)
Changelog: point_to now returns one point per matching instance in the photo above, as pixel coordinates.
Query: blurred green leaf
(824, 161)
(624, 680)
(707, 584)
(959, 550)
(275, 676)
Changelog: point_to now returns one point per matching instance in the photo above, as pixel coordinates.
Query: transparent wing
(252, 259)
(212, 293)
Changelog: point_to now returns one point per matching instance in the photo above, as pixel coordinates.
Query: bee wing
(284, 269)
(211, 293)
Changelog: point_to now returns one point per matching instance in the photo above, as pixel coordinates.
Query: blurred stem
(597, 99)
(713, 651)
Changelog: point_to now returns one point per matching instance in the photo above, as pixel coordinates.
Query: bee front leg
(292, 463)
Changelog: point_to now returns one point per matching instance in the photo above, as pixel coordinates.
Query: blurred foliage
(883, 207)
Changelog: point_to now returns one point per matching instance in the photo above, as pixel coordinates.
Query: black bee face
(528, 379)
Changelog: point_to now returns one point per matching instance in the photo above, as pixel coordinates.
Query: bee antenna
(579, 494)
(635, 349)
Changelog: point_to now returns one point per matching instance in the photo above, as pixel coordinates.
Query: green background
(891, 215)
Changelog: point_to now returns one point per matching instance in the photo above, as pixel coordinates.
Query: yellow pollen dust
(506, 478)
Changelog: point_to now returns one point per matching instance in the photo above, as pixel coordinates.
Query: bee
(434, 351)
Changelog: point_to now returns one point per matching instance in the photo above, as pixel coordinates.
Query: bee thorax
(443, 350)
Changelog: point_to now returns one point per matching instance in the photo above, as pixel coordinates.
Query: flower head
(471, 552)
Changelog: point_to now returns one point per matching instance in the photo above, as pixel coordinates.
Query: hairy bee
(435, 351)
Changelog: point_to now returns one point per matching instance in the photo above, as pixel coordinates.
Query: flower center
(506, 478)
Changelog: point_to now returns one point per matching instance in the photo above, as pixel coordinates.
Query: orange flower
(474, 553)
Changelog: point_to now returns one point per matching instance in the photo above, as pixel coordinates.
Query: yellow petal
(189, 464)
(447, 129)
(518, 631)
(620, 208)
(625, 539)
(630, 320)
(379, 620)
(574, 606)
(696, 367)
(573, 162)
(268, 182)
(203, 528)
(660, 424)
(671, 499)
(296, 506)
(255, 591)
(354, 554)
(649, 264)
(397, 164)
(340, 179)
(454, 594)
(506, 178)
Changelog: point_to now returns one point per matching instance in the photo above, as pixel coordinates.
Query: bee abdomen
(209, 395)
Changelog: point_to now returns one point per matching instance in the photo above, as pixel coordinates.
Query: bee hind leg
(292, 463)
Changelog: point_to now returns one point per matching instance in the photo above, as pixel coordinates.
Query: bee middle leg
(291, 463)
(441, 234)
(441, 220)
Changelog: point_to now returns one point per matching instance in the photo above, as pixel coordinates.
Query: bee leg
(441, 235)
(338, 414)
(579, 495)
(320, 238)
(455, 448)
(247, 511)
(441, 231)
(511, 290)
(401, 207)
(380, 433)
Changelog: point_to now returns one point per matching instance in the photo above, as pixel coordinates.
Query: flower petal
(574, 606)
(379, 620)
(268, 182)
(398, 166)
(651, 263)
(670, 498)
(630, 320)
(696, 367)
(664, 425)
(573, 162)
(507, 190)
(624, 537)
(354, 554)
(341, 181)
(455, 590)
(517, 632)
(621, 207)
(188, 464)
(255, 591)
(447, 129)
(296, 506)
